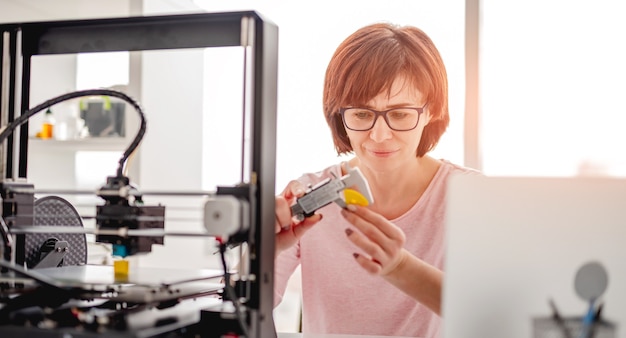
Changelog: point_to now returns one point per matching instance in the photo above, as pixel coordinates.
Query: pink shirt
(338, 296)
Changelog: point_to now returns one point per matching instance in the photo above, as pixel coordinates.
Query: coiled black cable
(89, 92)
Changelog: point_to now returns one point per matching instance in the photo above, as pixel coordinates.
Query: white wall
(53, 75)
(37, 10)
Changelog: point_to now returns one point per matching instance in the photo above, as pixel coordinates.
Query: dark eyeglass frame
(383, 113)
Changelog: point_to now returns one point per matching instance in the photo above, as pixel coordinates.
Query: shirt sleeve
(284, 266)
(288, 260)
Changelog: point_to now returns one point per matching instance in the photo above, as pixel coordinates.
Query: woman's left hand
(381, 252)
(380, 241)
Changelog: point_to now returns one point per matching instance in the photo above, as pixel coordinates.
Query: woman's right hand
(288, 230)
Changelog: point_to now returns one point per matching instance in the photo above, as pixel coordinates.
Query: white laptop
(515, 243)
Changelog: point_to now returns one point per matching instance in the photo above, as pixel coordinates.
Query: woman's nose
(380, 131)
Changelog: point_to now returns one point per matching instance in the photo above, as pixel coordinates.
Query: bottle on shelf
(47, 128)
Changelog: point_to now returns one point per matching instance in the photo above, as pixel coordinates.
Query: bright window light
(553, 83)
(93, 167)
(101, 70)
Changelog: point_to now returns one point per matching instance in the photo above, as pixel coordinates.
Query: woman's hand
(288, 231)
(382, 252)
(381, 242)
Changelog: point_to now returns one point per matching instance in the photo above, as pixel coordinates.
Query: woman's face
(381, 148)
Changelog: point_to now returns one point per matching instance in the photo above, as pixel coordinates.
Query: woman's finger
(368, 264)
(387, 228)
(368, 246)
(293, 190)
(371, 231)
(283, 214)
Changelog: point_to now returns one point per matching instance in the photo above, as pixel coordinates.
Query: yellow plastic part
(120, 268)
(354, 197)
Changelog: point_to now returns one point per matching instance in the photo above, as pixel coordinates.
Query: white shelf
(83, 144)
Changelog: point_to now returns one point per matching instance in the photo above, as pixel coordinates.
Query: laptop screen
(515, 244)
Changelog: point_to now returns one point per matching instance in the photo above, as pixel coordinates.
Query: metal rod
(122, 232)
(111, 193)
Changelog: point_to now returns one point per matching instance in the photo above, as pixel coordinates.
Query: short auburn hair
(367, 63)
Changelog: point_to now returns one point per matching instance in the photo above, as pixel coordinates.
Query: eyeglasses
(398, 119)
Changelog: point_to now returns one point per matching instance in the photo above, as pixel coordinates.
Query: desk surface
(312, 335)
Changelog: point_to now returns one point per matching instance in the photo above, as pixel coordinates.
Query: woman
(376, 270)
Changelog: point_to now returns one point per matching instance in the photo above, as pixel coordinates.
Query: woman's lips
(382, 153)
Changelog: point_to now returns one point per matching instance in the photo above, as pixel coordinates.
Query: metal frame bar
(8, 93)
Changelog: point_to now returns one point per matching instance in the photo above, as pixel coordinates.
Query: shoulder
(449, 168)
(445, 171)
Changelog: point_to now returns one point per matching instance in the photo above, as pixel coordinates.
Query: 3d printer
(65, 300)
